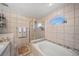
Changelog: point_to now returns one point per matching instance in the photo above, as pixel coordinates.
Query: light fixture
(39, 25)
(50, 4)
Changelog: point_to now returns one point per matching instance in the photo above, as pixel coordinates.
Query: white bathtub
(46, 48)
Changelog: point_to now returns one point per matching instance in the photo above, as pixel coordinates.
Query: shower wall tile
(62, 34)
(77, 13)
(68, 7)
(69, 17)
(60, 38)
(76, 29)
(76, 5)
(76, 40)
(69, 29)
(76, 37)
(69, 43)
(76, 46)
(69, 37)
(69, 14)
(60, 11)
(77, 21)
(60, 29)
(68, 33)
(76, 10)
(52, 39)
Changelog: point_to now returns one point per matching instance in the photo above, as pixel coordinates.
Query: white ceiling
(33, 9)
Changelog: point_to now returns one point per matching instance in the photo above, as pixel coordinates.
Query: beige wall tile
(76, 36)
(76, 29)
(76, 46)
(69, 29)
(69, 37)
(69, 43)
(62, 34)
(76, 21)
(68, 7)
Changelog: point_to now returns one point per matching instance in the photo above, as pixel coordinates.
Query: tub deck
(46, 48)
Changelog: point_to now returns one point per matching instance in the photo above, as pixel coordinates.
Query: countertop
(3, 46)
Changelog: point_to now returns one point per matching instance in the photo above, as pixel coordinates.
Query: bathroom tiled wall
(76, 26)
(66, 34)
(15, 20)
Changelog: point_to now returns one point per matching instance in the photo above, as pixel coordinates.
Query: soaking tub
(46, 48)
